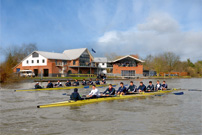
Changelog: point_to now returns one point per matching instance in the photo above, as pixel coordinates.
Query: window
(55, 62)
(32, 61)
(43, 61)
(37, 61)
(27, 62)
(35, 54)
(103, 64)
(84, 59)
(74, 62)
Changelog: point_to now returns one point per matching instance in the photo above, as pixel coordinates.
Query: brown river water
(156, 115)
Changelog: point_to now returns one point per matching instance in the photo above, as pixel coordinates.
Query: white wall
(102, 66)
(30, 58)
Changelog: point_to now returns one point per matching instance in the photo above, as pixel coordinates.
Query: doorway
(36, 72)
(45, 72)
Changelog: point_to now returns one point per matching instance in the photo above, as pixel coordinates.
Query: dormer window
(34, 55)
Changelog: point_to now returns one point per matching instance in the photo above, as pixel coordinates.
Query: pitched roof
(75, 53)
(52, 55)
(130, 57)
(100, 59)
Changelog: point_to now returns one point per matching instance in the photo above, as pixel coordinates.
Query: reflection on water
(155, 115)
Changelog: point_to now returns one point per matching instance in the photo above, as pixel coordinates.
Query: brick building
(50, 64)
(128, 65)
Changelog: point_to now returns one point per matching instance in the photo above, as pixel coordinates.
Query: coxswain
(75, 95)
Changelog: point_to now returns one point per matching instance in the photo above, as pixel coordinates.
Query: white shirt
(95, 92)
(158, 85)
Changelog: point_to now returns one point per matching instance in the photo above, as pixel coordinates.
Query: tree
(171, 60)
(112, 56)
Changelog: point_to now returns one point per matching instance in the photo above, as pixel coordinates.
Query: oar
(178, 93)
(126, 85)
(86, 87)
(194, 90)
(113, 85)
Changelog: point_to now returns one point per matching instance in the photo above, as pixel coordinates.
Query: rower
(94, 92)
(164, 85)
(49, 85)
(122, 89)
(97, 82)
(150, 87)
(103, 81)
(131, 88)
(37, 86)
(109, 91)
(76, 83)
(58, 84)
(84, 82)
(68, 83)
(158, 85)
(141, 88)
(75, 95)
(90, 82)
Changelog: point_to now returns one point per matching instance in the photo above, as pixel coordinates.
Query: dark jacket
(50, 85)
(158, 88)
(83, 83)
(75, 96)
(142, 88)
(150, 87)
(76, 83)
(38, 86)
(97, 82)
(164, 86)
(109, 91)
(122, 89)
(90, 83)
(68, 83)
(131, 88)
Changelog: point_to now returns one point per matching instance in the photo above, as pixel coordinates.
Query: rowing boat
(62, 88)
(88, 101)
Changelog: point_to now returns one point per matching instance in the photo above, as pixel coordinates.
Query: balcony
(87, 65)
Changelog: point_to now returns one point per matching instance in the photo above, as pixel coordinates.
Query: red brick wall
(117, 69)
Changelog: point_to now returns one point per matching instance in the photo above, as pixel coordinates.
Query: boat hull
(88, 101)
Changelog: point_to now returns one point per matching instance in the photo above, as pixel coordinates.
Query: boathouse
(128, 66)
(74, 61)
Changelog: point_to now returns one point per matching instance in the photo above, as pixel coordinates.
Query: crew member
(84, 82)
(141, 88)
(90, 82)
(68, 83)
(58, 84)
(150, 87)
(158, 85)
(49, 85)
(97, 82)
(94, 92)
(76, 83)
(75, 95)
(164, 85)
(122, 89)
(131, 88)
(109, 91)
(37, 86)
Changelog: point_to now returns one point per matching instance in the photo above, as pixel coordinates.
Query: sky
(125, 27)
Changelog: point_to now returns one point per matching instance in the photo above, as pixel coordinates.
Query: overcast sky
(123, 26)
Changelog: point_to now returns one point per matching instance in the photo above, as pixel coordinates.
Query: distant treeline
(13, 54)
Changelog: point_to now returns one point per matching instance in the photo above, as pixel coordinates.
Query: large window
(74, 62)
(35, 54)
(127, 72)
(84, 59)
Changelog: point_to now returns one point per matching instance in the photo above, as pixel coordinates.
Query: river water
(157, 115)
